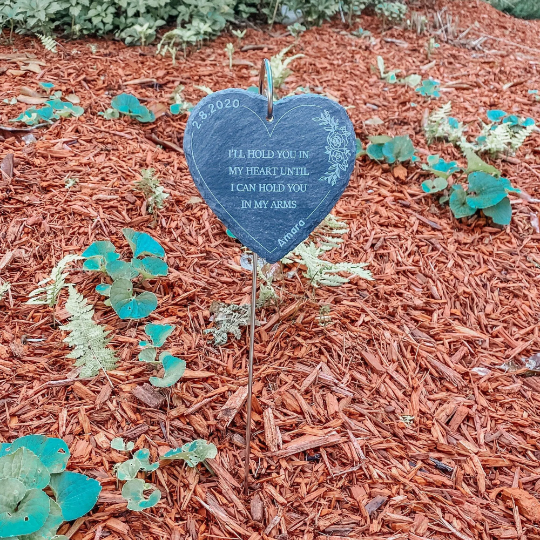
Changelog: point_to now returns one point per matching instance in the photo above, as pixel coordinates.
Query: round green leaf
(140, 462)
(375, 151)
(100, 248)
(53, 452)
(434, 185)
(133, 492)
(486, 190)
(458, 203)
(120, 270)
(474, 163)
(495, 115)
(143, 244)
(75, 493)
(150, 267)
(500, 213)
(128, 306)
(30, 515)
(398, 149)
(148, 355)
(174, 369)
(158, 333)
(12, 492)
(25, 466)
(125, 103)
(104, 289)
(193, 452)
(49, 528)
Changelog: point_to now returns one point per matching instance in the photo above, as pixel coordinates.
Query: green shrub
(136, 22)
(523, 9)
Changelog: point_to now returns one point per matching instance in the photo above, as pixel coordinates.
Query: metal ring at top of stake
(267, 70)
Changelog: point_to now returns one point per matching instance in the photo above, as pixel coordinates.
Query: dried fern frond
(4, 288)
(88, 339)
(50, 288)
(152, 190)
(228, 318)
(48, 42)
(321, 272)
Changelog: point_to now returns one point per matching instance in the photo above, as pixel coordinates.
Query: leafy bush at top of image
(128, 105)
(391, 149)
(391, 12)
(28, 466)
(523, 9)
(136, 22)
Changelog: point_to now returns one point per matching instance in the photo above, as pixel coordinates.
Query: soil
(396, 418)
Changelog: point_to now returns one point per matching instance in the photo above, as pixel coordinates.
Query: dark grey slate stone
(270, 183)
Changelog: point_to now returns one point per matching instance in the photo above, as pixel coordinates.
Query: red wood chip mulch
(373, 426)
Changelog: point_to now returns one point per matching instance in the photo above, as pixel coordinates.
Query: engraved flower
(338, 157)
(336, 140)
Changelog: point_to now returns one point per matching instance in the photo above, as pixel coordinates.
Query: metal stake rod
(250, 368)
(265, 73)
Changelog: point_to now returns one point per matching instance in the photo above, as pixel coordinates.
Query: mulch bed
(373, 426)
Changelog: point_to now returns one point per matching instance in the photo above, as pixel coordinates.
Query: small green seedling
(228, 318)
(192, 453)
(128, 105)
(134, 488)
(101, 256)
(391, 149)
(442, 171)
(180, 106)
(70, 182)
(133, 491)
(429, 89)
(157, 333)
(119, 444)
(229, 49)
(28, 466)
(51, 287)
(239, 35)
(280, 66)
(389, 77)
(129, 469)
(431, 46)
(296, 29)
(535, 94)
(52, 110)
(174, 369)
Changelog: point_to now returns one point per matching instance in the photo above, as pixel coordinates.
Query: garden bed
(389, 428)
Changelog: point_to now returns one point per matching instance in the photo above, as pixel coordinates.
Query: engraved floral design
(337, 149)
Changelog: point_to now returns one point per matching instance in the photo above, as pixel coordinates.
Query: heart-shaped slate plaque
(270, 182)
